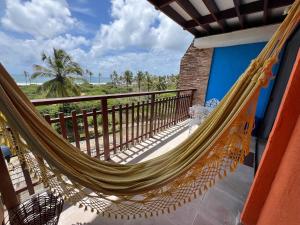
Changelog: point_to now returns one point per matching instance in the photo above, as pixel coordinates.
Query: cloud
(137, 38)
(136, 23)
(18, 54)
(83, 10)
(41, 19)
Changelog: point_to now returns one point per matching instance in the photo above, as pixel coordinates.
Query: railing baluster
(62, 124)
(182, 107)
(105, 131)
(169, 112)
(113, 118)
(86, 132)
(161, 111)
(96, 133)
(143, 118)
(27, 176)
(155, 115)
(132, 124)
(174, 103)
(159, 115)
(121, 127)
(162, 117)
(75, 129)
(147, 119)
(127, 128)
(187, 106)
(47, 118)
(166, 113)
(6, 187)
(152, 112)
(192, 98)
(177, 108)
(138, 121)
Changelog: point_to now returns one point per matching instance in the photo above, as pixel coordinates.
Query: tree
(162, 83)
(173, 81)
(114, 78)
(90, 74)
(139, 79)
(63, 71)
(26, 74)
(99, 77)
(149, 81)
(128, 77)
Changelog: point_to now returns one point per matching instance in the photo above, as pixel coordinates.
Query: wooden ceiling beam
(265, 18)
(193, 12)
(245, 9)
(163, 5)
(169, 11)
(219, 16)
(238, 13)
(271, 21)
(213, 9)
(159, 4)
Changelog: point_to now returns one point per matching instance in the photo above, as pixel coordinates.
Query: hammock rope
(146, 188)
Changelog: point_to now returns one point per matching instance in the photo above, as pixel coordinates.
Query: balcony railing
(105, 129)
(108, 128)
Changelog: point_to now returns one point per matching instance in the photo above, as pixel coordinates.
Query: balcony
(147, 125)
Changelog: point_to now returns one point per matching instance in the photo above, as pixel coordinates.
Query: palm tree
(114, 78)
(139, 79)
(90, 74)
(162, 83)
(26, 74)
(128, 77)
(149, 81)
(99, 77)
(63, 71)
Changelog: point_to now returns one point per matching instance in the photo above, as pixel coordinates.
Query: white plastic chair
(198, 113)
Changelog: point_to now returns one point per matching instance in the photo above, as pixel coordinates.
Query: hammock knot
(267, 73)
(254, 64)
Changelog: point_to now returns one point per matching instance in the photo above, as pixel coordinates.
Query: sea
(21, 80)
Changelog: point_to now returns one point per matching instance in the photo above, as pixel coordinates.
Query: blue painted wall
(227, 65)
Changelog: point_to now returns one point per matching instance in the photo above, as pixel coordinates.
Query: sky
(101, 35)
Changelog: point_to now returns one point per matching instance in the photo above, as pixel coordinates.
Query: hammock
(146, 188)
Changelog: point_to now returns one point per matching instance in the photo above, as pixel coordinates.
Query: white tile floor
(221, 205)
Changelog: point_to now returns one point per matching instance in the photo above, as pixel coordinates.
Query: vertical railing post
(152, 114)
(177, 107)
(105, 128)
(47, 118)
(192, 97)
(6, 187)
(24, 168)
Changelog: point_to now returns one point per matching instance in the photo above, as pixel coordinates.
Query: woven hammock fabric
(146, 188)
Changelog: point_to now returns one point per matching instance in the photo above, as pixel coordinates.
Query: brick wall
(194, 71)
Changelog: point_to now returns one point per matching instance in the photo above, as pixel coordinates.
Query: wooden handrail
(51, 101)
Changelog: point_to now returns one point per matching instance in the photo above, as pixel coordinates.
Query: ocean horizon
(21, 80)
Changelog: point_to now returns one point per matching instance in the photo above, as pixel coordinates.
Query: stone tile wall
(194, 71)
